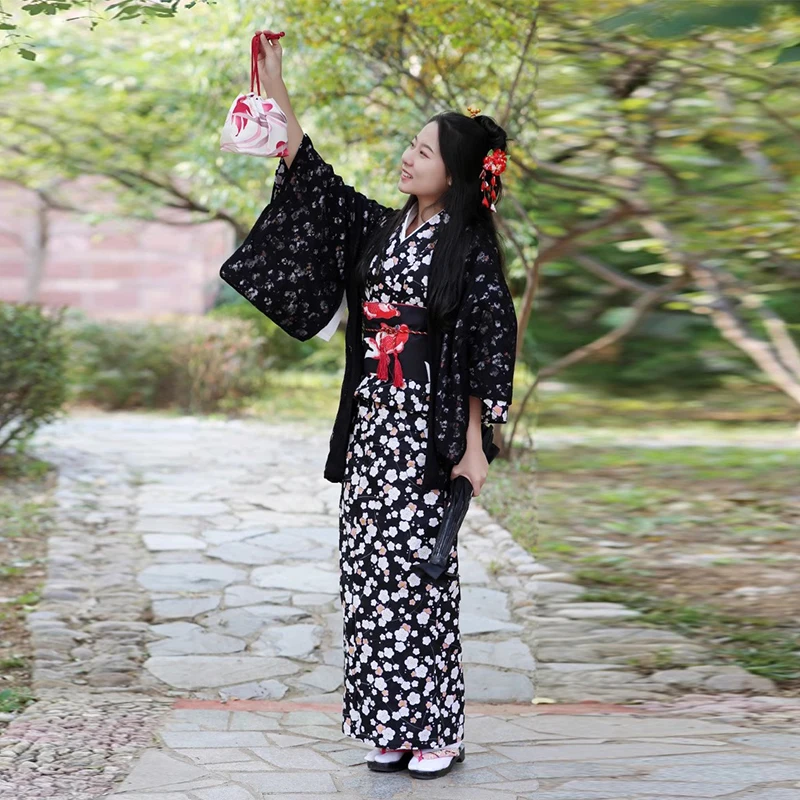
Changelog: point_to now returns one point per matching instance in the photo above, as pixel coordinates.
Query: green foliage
(195, 364)
(131, 9)
(33, 374)
(671, 19)
(121, 365)
(118, 117)
(678, 19)
(21, 518)
(120, 10)
(50, 7)
(789, 54)
(671, 352)
(696, 136)
(23, 466)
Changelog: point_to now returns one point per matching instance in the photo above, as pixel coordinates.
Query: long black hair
(464, 142)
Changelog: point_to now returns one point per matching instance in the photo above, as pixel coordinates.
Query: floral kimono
(400, 428)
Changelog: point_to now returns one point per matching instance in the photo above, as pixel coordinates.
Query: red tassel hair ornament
(494, 164)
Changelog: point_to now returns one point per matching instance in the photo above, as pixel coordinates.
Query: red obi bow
(389, 340)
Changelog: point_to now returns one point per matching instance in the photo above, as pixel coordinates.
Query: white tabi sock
(387, 757)
(429, 763)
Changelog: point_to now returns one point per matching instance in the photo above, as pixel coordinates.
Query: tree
(669, 19)
(117, 10)
(657, 198)
(680, 154)
(142, 110)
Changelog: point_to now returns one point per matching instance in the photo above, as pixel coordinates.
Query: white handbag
(255, 125)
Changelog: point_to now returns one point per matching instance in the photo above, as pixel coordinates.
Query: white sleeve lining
(327, 332)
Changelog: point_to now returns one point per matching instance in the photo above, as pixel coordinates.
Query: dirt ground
(24, 527)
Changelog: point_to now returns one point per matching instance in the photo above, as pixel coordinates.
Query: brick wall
(122, 268)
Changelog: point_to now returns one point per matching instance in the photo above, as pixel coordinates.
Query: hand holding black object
(460, 496)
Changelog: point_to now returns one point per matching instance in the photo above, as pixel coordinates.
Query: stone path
(188, 643)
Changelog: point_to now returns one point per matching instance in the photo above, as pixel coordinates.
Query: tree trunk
(36, 252)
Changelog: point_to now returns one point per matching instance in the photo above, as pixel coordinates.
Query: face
(422, 172)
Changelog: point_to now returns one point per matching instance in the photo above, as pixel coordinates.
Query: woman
(430, 346)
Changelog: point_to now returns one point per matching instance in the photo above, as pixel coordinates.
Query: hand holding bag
(255, 125)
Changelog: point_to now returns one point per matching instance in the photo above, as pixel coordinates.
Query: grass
(310, 397)
(13, 700)
(696, 492)
(671, 532)
(757, 407)
(757, 644)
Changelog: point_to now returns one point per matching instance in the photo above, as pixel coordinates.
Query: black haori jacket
(294, 266)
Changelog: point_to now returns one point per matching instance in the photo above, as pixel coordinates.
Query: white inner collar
(409, 216)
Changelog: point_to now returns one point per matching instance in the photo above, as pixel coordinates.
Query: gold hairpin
(473, 111)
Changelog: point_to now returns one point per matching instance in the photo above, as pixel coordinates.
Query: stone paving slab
(566, 751)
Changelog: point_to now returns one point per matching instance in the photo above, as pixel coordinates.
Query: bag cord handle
(254, 48)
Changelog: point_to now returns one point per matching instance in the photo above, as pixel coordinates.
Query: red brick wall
(122, 268)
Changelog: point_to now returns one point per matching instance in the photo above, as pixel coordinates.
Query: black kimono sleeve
(294, 264)
(491, 334)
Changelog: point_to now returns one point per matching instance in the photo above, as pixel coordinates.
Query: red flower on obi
(373, 310)
(389, 341)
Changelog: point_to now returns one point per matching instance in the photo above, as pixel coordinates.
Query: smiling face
(422, 172)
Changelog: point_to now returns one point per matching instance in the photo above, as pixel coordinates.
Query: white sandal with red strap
(430, 763)
(381, 759)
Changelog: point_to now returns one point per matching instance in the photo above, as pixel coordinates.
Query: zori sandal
(382, 759)
(430, 763)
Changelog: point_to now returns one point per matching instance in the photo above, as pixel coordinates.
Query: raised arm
(270, 73)
(294, 264)
(359, 215)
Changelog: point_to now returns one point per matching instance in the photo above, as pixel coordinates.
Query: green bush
(196, 364)
(119, 365)
(33, 371)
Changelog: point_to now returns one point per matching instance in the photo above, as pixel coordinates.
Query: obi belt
(395, 335)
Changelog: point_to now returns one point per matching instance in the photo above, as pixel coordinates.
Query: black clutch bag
(460, 496)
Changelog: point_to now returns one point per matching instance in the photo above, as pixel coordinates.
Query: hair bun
(495, 135)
